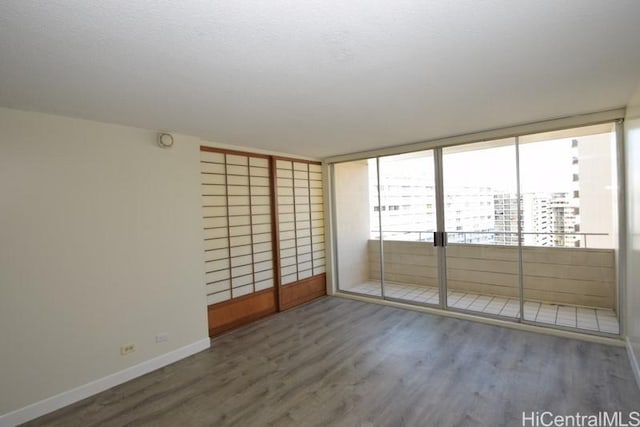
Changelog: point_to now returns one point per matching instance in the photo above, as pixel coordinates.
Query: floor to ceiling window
(567, 182)
(481, 227)
(408, 220)
(522, 228)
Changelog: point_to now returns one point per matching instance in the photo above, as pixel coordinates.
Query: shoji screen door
(263, 235)
(300, 225)
(237, 205)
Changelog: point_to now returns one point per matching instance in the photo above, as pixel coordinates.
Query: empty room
(320, 213)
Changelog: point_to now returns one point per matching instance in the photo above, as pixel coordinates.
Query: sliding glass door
(409, 221)
(568, 186)
(481, 225)
(522, 228)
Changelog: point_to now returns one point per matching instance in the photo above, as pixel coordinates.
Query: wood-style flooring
(340, 362)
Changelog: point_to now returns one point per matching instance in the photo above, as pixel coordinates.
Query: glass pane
(569, 199)
(408, 210)
(357, 227)
(481, 221)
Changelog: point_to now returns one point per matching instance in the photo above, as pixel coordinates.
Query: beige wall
(632, 297)
(583, 277)
(101, 245)
(352, 223)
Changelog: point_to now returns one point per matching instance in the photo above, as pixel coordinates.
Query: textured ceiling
(318, 78)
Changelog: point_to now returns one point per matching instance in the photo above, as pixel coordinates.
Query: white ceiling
(318, 78)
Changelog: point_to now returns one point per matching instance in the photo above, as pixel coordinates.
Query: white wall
(632, 144)
(352, 224)
(100, 246)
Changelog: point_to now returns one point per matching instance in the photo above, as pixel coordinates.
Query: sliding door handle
(440, 238)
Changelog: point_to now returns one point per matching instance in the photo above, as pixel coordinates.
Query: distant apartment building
(408, 211)
(506, 218)
(546, 219)
(580, 217)
(551, 220)
(469, 215)
(407, 208)
(478, 215)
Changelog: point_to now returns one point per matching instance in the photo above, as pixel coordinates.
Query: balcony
(563, 287)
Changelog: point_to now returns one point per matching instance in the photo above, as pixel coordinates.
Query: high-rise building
(549, 219)
(469, 215)
(506, 218)
(407, 207)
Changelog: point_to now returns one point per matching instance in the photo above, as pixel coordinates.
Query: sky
(544, 166)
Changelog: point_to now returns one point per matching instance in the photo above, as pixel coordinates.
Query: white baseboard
(635, 367)
(66, 398)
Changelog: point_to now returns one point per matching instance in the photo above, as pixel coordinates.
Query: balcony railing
(554, 275)
(507, 238)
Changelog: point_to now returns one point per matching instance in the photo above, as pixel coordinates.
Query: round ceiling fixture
(165, 140)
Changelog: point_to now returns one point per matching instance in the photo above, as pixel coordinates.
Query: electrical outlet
(162, 338)
(126, 349)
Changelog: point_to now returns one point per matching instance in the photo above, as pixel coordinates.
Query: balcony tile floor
(585, 318)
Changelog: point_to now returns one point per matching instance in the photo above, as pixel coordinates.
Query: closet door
(238, 245)
(300, 231)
